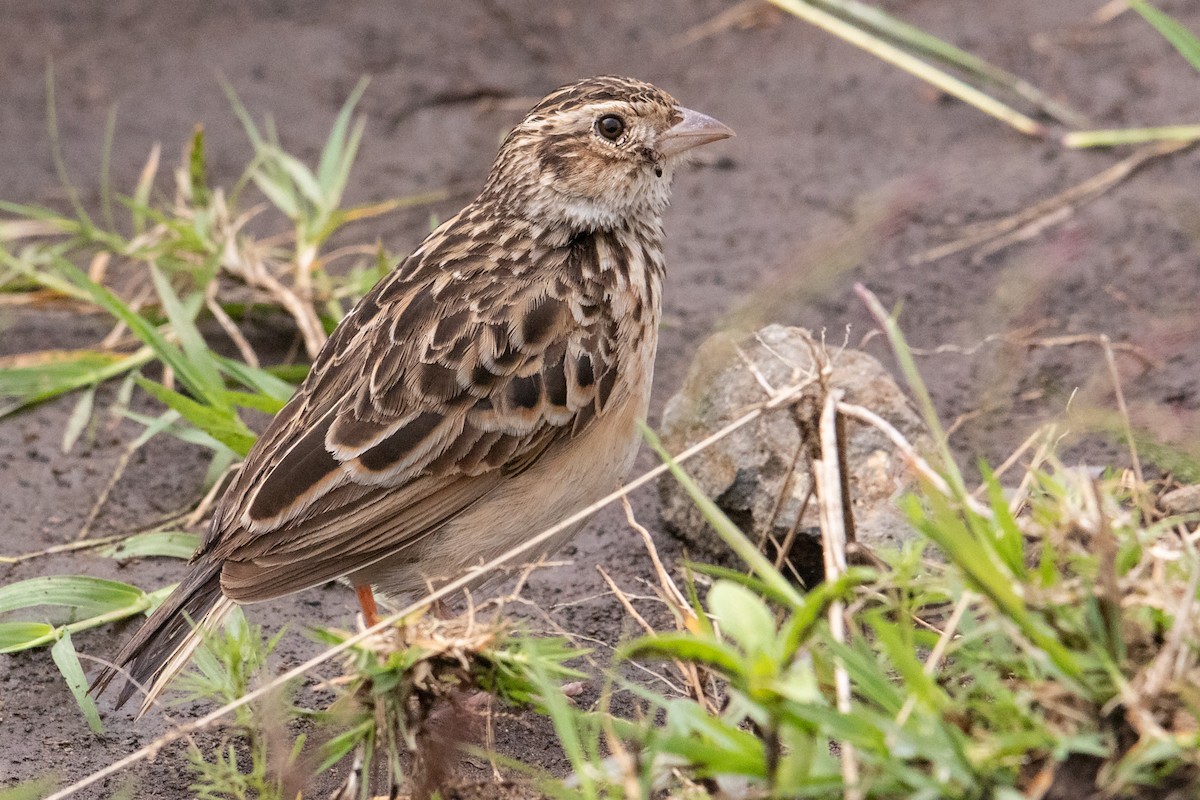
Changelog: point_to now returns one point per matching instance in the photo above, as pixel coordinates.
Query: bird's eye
(610, 126)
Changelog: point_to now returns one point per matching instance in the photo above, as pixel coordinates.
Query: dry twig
(1031, 221)
(827, 473)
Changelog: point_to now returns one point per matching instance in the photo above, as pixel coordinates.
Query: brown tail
(165, 642)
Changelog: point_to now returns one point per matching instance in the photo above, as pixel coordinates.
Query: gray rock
(760, 475)
(1184, 500)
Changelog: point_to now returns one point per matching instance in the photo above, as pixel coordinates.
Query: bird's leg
(366, 599)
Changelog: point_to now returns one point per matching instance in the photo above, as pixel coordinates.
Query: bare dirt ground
(839, 158)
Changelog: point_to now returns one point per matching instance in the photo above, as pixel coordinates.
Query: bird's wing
(447, 377)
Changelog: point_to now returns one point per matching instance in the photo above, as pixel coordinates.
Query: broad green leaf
(686, 647)
(90, 595)
(16, 636)
(743, 616)
(67, 660)
(168, 544)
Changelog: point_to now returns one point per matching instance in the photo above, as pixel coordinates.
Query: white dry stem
(827, 472)
(1111, 361)
(230, 327)
(782, 398)
(914, 460)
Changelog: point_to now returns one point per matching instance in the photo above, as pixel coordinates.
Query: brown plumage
(484, 390)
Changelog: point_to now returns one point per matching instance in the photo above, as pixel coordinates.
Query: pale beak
(693, 130)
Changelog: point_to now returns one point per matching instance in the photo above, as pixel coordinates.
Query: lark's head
(594, 154)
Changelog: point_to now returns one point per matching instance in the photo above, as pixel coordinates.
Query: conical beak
(693, 130)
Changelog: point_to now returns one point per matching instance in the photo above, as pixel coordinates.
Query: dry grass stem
(1033, 220)
(1122, 408)
(118, 470)
(230, 327)
(914, 460)
(673, 595)
(198, 513)
(827, 473)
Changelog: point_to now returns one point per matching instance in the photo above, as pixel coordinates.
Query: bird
(486, 388)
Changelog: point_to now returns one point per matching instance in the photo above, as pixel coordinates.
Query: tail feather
(165, 642)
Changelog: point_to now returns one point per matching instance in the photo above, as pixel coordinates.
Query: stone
(760, 475)
(1184, 500)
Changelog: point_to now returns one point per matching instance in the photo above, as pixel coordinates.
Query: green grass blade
(203, 378)
(168, 353)
(222, 424)
(911, 64)
(1171, 29)
(279, 193)
(239, 110)
(331, 166)
(884, 24)
(948, 467)
(56, 153)
(686, 647)
(343, 174)
(139, 204)
(301, 176)
(729, 533)
(260, 380)
(258, 402)
(198, 169)
(1116, 137)
(110, 129)
(67, 660)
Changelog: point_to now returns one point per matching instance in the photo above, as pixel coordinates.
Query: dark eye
(610, 126)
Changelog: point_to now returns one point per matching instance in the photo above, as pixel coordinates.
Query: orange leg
(366, 599)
